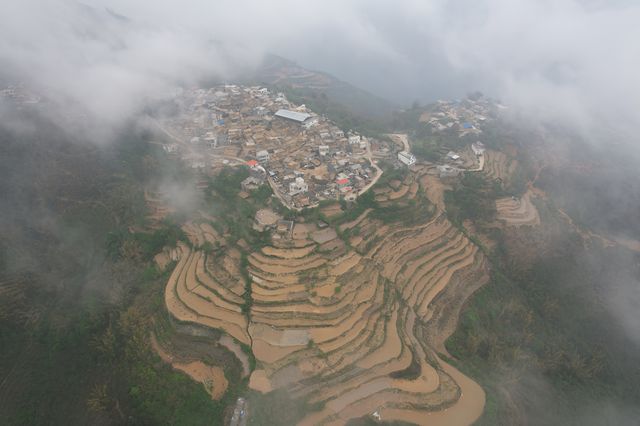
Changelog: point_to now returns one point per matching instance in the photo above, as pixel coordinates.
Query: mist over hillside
(138, 284)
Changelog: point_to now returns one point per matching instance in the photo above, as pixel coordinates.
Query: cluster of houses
(454, 163)
(464, 117)
(19, 94)
(302, 155)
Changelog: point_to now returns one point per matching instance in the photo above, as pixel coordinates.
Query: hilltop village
(20, 94)
(303, 156)
(346, 308)
(464, 117)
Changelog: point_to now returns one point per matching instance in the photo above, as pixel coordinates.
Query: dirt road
(465, 411)
(480, 165)
(402, 137)
(375, 166)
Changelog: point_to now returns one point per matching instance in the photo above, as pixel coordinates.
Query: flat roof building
(406, 158)
(452, 155)
(298, 117)
(478, 148)
(448, 171)
(298, 186)
(262, 155)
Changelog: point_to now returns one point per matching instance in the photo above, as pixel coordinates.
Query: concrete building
(310, 122)
(211, 139)
(448, 171)
(170, 148)
(323, 150)
(478, 148)
(354, 140)
(260, 111)
(343, 182)
(297, 117)
(251, 183)
(298, 186)
(262, 156)
(406, 158)
(452, 155)
(285, 228)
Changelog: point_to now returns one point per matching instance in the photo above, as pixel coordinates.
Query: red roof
(342, 181)
(252, 163)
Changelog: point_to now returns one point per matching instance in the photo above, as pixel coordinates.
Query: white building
(211, 139)
(354, 140)
(298, 117)
(478, 148)
(298, 186)
(260, 111)
(262, 156)
(452, 155)
(310, 122)
(323, 150)
(170, 148)
(406, 158)
(448, 171)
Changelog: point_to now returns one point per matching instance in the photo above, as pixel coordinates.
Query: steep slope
(351, 325)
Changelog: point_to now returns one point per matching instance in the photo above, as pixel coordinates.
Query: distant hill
(278, 71)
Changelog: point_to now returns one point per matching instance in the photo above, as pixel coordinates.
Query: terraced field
(207, 291)
(518, 211)
(212, 377)
(499, 166)
(350, 327)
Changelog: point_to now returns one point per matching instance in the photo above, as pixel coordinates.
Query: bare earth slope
(351, 329)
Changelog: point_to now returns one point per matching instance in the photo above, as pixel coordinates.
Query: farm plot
(349, 329)
(498, 166)
(518, 211)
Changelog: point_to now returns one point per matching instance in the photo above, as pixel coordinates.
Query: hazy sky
(574, 59)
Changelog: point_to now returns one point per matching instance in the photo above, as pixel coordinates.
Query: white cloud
(568, 59)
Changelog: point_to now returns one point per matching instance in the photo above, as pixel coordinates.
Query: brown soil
(499, 166)
(260, 382)
(324, 235)
(465, 411)
(332, 210)
(355, 222)
(518, 211)
(212, 377)
(293, 253)
(329, 315)
(434, 190)
(235, 348)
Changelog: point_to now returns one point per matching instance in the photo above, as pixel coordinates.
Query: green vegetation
(543, 336)
(248, 298)
(426, 144)
(143, 246)
(91, 295)
(472, 198)
(234, 214)
(275, 408)
(344, 117)
(412, 372)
